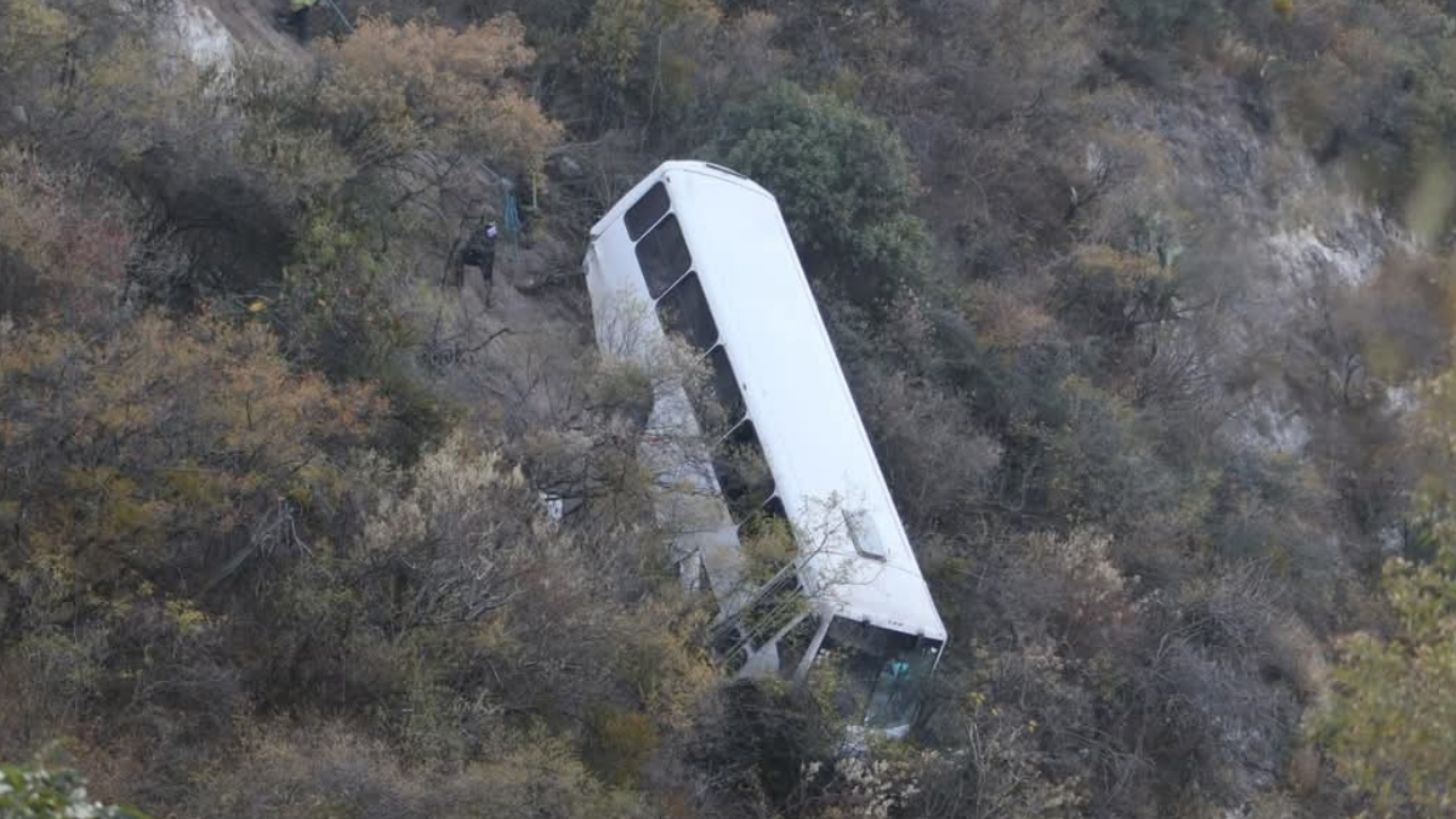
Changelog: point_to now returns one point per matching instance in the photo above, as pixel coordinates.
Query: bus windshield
(883, 671)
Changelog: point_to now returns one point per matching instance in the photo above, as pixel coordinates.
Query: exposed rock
(199, 37)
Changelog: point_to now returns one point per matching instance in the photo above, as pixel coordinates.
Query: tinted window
(644, 214)
(664, 256)
(725, 385)
(743, 472)
(775, 508)
(882, 674)
(684, 310)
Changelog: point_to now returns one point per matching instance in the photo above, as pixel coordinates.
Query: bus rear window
(663, 255)
(647, 211)
(882, 672)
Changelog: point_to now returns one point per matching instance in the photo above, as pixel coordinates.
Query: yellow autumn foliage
(401, 88)
(123, 451)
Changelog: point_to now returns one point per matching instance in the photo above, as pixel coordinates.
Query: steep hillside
(1147, 307)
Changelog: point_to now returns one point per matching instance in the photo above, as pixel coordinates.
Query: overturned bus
(696, 261)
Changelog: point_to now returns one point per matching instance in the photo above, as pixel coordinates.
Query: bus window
(664, 256)
(684, 310)
(743, 472)
(647, 211)
(725, 387)
(774, 508)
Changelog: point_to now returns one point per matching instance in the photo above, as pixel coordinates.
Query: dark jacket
(480, 248)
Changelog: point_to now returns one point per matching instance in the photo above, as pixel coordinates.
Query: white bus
(700, 254)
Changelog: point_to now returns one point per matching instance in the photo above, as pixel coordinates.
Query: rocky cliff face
(203, 25)
(1275, 241)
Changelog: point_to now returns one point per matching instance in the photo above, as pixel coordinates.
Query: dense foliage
(844, 180)
(1147, 306)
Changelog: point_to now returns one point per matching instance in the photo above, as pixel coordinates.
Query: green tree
(844, 181)
(1391, 727)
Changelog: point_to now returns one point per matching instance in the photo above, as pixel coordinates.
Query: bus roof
(857, 555)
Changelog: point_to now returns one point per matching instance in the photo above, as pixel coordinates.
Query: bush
(177, 435)
(1391, 718)
(844, 182)
(43, 794)
(1154, 20)
(644, 53)
(759, 742)
(1102, 464)
(64, 238)
(621, 743)
(332, 771)
(1390, 725)
(934, 458)
(390, 89)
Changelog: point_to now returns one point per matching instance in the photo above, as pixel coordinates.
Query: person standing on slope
(480, 253)
(297, 18)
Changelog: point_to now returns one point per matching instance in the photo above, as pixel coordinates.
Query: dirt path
(539, 338)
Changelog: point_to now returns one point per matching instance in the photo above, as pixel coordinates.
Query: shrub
(933, 457)
(621, 743)
(844, 182)
(1155, 20)
(331, 770)
(1112, 293)
(1102, 466)
(646, 54)
(1390, 720)
(65, 240)
(176, 436)
(391, 89)
(44, 794)
(1389, 728)
(758, 743)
